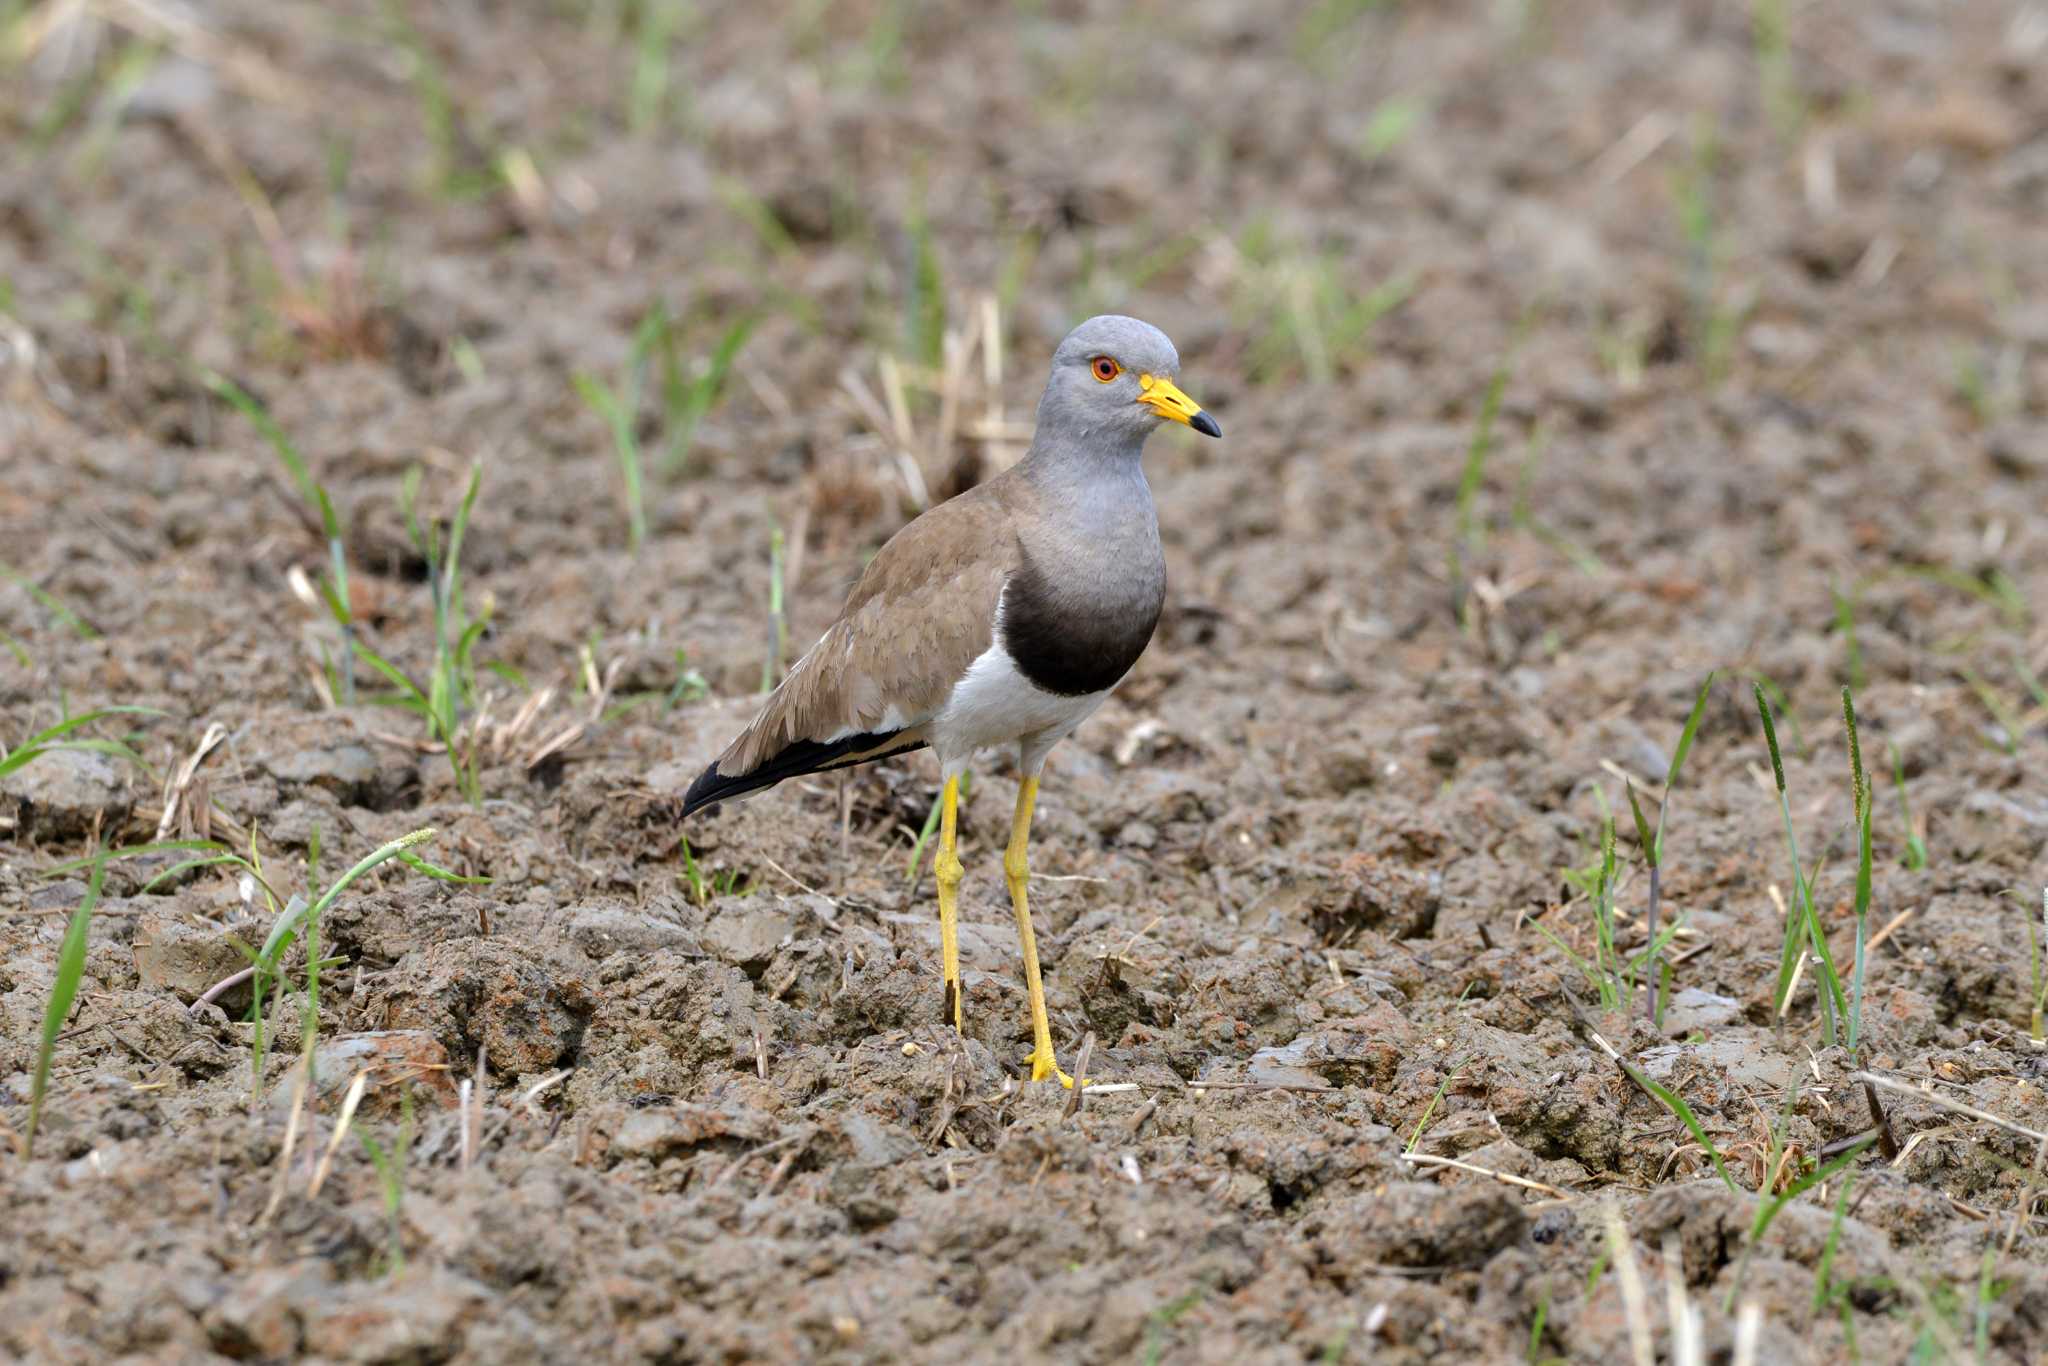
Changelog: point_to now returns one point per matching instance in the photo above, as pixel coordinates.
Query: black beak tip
(1205, 424)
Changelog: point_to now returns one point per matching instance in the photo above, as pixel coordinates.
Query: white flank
(995, 704)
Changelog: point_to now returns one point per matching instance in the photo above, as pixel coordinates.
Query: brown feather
(923, 611)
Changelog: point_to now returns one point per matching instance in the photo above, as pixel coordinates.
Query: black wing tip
(710, 788)
(794, 760)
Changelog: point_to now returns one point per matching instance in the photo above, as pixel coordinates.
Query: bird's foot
(1043, 1066)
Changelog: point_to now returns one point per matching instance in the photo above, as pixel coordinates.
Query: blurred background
(691, 273)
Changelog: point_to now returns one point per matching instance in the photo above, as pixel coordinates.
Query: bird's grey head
(1114, 378)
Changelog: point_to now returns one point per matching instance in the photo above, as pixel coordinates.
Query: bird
(1002, 617)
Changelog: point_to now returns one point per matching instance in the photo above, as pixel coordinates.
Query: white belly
(995, 704)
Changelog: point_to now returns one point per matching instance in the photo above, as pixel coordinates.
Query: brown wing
(923, 611)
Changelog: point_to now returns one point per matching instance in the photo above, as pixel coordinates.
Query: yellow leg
(1016, 871)
(946, 871)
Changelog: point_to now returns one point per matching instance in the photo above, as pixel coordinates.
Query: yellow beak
(1164, 397)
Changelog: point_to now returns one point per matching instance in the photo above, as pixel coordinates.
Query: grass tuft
(1304, 314)
(705, 885)
(299, 919)
(1802, 920)
(451, 690)
(1683, 1113)
(1653, 845)
(1769, 1208)
(687, 396)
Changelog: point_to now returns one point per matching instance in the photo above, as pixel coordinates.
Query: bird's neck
(1084, 479)
(1091, 497)
(1065, 438)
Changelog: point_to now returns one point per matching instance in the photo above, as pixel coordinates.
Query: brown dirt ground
(1774, 320)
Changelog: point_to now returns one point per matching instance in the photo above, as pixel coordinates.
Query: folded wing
(922, 612)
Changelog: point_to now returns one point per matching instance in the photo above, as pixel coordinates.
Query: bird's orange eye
(1106, 369)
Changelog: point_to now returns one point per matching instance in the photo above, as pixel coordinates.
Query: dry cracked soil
(1568, 352)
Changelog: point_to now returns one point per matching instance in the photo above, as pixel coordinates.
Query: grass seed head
(1763, 709)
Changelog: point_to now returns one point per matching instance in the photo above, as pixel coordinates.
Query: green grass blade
(1860, 791)
(1768, 1211)
(1644, 837)
(186, 866)
(1675, 1103)
(382, 854)
(1592, 973)
(1692, 730)
(618, 417)
(1430, 1109)
(451, 583)
(1822, 1286)
(49, 739)
(288, 454)
(1536, 1330)
(50, 603)
(703, 394)
(411, 695)
(282, 932)
(438, 873)
(64, 991)
(133, 851)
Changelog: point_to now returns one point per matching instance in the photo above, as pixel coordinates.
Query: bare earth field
(1566, 353)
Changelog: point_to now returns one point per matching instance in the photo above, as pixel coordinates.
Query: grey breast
(1080, 605)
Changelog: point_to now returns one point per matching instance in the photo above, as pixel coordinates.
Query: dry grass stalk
(600, 690)
(336, 316)
(1634, 1299)
(472, 1101)
(533, 1093)
(1943, 1102)
(301, 1083)
(1890, 925)
(349, 1103)
(1073, 1106)
(1688, 1329)
(180, 782)
(916, 458)
(1432, 1160)
(1749, 1325)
